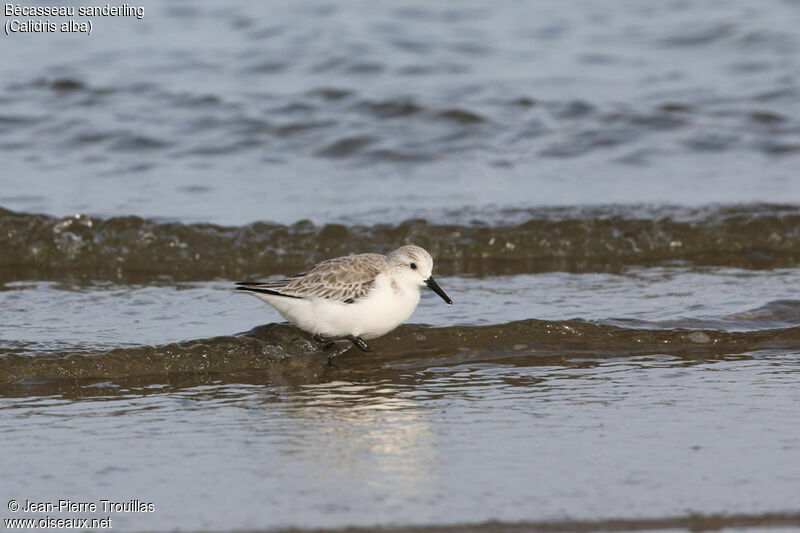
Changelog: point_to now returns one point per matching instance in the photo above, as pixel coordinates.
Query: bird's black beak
(438, 290)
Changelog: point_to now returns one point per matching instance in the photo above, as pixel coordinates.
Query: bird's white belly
(374, 315)
(371, 317)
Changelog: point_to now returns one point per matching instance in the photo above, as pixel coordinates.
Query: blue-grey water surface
(362, 111)
(611, 193)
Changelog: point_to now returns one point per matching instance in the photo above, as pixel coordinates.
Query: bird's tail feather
(250, 286)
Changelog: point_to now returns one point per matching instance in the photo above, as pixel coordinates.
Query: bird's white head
(413, 266)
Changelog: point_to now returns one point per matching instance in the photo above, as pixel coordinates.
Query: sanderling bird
(354, 297)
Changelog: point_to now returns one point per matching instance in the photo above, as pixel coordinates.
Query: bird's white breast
(384, 308)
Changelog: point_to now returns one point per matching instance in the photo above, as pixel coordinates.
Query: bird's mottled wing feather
(342, 279)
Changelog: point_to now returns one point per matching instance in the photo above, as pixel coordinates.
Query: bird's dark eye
(413, 266)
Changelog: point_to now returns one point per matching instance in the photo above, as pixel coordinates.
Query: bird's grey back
(344, 279)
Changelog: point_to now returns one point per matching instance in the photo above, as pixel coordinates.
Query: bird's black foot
(358, 342)
(352, 338)
(327, 344)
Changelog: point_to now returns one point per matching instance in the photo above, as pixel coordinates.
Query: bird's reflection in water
(375, 428)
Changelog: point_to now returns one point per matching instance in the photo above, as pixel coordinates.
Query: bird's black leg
(358, 342)
(352, 338)
(327, 343)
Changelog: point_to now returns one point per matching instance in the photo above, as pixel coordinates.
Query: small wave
(345, 147)
(61, 84)
(461, 116)
(129, 142)
(284, 350)
(420, 129)
(601, 239)
(391, 108)
(699, 36)
(689, 522)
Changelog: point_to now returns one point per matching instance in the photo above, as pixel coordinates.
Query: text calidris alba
(355, 297)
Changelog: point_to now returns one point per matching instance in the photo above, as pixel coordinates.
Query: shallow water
(638, 437)
(105, 315)
(418, 108)
(337, 452)
(609, 192)
(635, 395)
